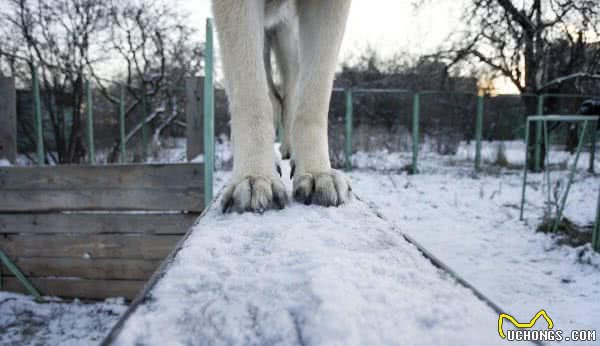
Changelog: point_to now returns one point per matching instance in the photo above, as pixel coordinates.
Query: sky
(388, 26)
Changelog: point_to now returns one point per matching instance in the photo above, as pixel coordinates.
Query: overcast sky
(389, 26)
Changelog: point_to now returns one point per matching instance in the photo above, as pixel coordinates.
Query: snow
(5, 163)
(55, 322)
(472, 224)
(306, 275)
(360, 265)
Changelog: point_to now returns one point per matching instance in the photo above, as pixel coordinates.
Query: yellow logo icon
(517, 324)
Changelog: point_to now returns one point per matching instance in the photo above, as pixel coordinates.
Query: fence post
(144, 125)
(122, 124)
(194, 96)
(209, 120)
(596, 233)
(8, 119)
(37, 111)
(478, 132)
(89, 104)
(593, 129)
(415, 130)
(525, 169)
(538, 134)
(348, 128)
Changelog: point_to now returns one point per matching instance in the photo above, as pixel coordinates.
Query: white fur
(307, 37)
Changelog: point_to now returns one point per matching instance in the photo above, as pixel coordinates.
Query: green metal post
(90, 121)
(19, 275)
(122, 157)
(144, 125)
(37, 110)
(547, 170)
(478, 132)
(415, 130)
(593, 148)
(571, 177)
(348, 134)
(525, 169)
(209, 116)
(596, 233)
(538, 134)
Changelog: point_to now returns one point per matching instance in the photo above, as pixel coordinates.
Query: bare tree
(524, 40)
(143, 45)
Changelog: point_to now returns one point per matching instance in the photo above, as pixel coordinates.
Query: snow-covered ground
(54, 322)
(469, 221)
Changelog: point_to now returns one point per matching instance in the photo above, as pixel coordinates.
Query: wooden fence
(94, 231)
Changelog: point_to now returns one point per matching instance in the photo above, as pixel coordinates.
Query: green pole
(593, 148)
(415, 130)
(209, 116)
(571, 177)
(547, 170)
(37, 110)
(122, 123)
(19, 275)
(596, 234)
(90, 121)
(478, 132)
(348, 128)
(538, 134)
(525, 169)
(144, 125)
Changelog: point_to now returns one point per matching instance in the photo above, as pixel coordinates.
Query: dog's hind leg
(255, 185)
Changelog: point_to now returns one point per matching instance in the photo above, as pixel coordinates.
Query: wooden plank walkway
(304, 275)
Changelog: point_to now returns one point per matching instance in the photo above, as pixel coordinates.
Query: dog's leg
(321, 29)
(255, 185)
(286, 52)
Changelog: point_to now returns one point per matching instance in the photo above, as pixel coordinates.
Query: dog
(305, 37)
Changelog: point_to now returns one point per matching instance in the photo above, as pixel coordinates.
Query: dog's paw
(326, 189)
(254, 194)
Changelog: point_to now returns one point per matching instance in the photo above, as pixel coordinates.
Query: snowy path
(473, 226)
(306, 275)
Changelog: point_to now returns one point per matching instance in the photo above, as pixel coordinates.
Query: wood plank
(8, 119)
(74, 288)
(194, 99)
(98, 269)
(94, 223)
(103, 177)
(101, 199)
(150, 247)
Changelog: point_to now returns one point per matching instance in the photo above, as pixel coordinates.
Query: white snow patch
(306, 275)
(5, 163)
(23, 321)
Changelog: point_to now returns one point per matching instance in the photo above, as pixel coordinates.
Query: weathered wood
(194, 111)
(149, 247)
(95, 223)
(104, 177)
(190, 199)
(8, 119)
(95, 269)
(76, 288)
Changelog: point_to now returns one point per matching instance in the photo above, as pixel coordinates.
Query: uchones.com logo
(524, 331)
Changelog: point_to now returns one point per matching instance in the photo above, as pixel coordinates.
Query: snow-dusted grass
(26, 322)
(472, 224)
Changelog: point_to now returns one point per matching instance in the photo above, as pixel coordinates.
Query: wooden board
(8, 119)
(94, 223)
(103, 177)
(75, 288)
(150, 247)
(11, 200)
(194, 99)
(102, 269)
